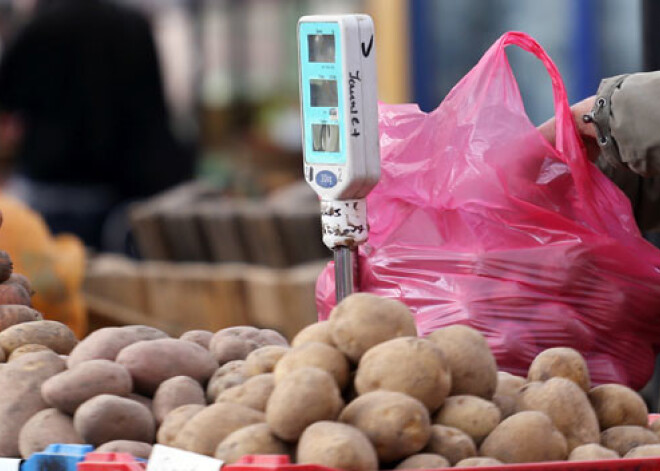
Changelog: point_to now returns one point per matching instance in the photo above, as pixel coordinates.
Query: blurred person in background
(83, 106)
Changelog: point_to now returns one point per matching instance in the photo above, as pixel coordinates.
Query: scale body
(339, 107)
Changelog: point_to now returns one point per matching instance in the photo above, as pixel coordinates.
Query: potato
(315, 355)
(475, 416)
(20, 383)
(363, 320)
(319, 332)
(137, 449)
(264, 359)
(106, 418)
(54, 335)
(176, 392)
(424, 461)
(254, 393)
(624, 438)
(271, 337)
(450, 442)
(235, 343)
(27, 348)
(46, 427)
(592, 452)
(6, 266)
(304, 396)
(567, 406)
(69, 389)
(506, 393)
(254, 439)
(468, 357)
(140, 399)
(206, 429)
(615, 404)
(560, 362)
(655, 426)
(643, 451)
(226, 349)
(14, 294)
(174, 422)
(477, 462)
(200, 337)
(525, 437)
(22, 280)
(396, 424)
(108, 342)
(13, 314)
(153, 361)
(227, 376)
(337, 446)
(409, 365)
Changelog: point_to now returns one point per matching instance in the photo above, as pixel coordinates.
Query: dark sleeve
(15, 77)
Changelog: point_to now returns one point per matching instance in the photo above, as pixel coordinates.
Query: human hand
(586, 131)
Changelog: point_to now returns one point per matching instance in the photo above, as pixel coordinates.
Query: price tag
(10, 464)
(164, 458)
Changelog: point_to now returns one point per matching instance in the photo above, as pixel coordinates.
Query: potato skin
(337, 446)
(137, 449)
(12, 314)
(174, 422)
(46, 427)
(592, 451)
(25, 349)
(264, 359)
(424, 461)
(254, 393)
(153, 361)
(304, 396)
(560, 362)
(14, 294)
(254, 439)
(67, 390)
(176, 392)
(363, 320)
(421, 372)
(643, 451)
(542, 441)
(227, 376)
(616, 404)
(450, 442)
(506, 393)
(624, 438)
(396, 424)
(105, 418)
(475, 416)
(235, 343)
(206, 429)
(200, 337)
(319, 332)
(315, 355)
(478, 462)
(468, 357)
(54, 335)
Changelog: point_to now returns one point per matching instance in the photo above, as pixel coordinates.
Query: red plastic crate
(110, 462)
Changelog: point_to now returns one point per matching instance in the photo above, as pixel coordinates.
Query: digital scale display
(321, 47)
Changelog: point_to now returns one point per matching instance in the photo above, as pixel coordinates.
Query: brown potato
(643, 451)
(69, 389)
(137, 449)
(206, 429)
(254, 393)
(27, 348)
(14, 293)
(560, 362)
(6, 266)
(174, 422)
(20, 383)
(315, 355)
(396, 424)
(12, 314)
(363, 320)
(264, 359)
(478, 462)
(337, 446)
(319, 332)
(616, 404)
(176, 392)
(424, 461)
(468, 357)
(525, 437)
(450, 442)
(475, 416)
(254, 439)
(153, 361)
(592, 452)
(200, 337)
(235, 343)
(105, 344)
(226, 349)
(54, 335)
(506, 393)
(421, 370)
(106, 418)
(22, 280)
(624, 438)
(567, 406)
(46, 427)
(227, 376)
(305, 396)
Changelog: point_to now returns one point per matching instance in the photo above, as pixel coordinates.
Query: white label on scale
(10, 464)
(164, 458)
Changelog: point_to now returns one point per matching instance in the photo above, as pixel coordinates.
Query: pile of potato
(358, 392)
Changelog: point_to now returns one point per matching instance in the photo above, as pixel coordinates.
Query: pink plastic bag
(478, 220)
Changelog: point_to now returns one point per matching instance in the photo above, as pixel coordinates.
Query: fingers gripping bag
(478, 220)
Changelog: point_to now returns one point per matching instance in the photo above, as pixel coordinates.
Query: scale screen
(321, 47)
(323, 92)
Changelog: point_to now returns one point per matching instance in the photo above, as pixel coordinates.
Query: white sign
(10, 464)
(164, 458)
